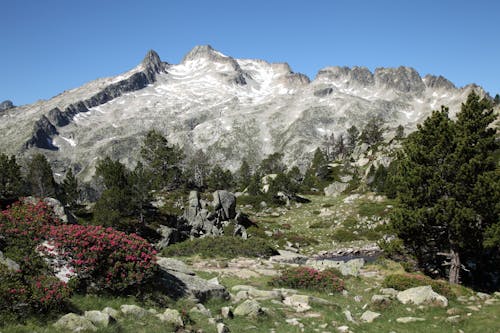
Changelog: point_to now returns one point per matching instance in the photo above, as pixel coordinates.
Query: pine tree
(447, 184)
(70, 189)
(10, 178)
(220, 179)
(141, 182)
(162, 159)
(272, 164)
(400, 132)
(352, 139)
(372, 133)
(40, 178)
(244, 175)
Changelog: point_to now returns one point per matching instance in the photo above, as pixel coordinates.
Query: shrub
(23, 294)
(109, 258)
(406, 281)
(309, 278)
(344, 235)
(225, 246)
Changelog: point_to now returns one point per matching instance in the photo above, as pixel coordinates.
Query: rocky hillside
(230, 108)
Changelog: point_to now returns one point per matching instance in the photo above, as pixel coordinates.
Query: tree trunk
(454, 277)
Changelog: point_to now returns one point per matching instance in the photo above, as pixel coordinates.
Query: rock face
(335, 189)
(231, 108)
(422, 295)
(249, 308)
(350, 267)
(225, 205)
(63, 214)
(9, 263)
(179, 281)
(6, 105)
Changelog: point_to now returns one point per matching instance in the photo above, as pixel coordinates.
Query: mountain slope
(231, 108)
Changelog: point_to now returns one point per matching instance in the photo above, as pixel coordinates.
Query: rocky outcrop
(403, 79)
(6, 105)
(72, 322)
(422, 295)
(438, 82)
(179, 281)
(323, 92)
(335, 189)
(43, 132)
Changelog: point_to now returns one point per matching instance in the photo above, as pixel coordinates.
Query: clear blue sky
(53, 45)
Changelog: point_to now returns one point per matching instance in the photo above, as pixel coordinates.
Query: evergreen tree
(340, 149)
(113, 173)
(141, 184)
(220, 179)
(352, 139)
(318, 171)
(255, 185)
(70, 189)
(40, 179)
(272, 164)
(400, 132)
(198, 170)
(496, 100)
(10, 178)
(244, 175)
(162, 159)
(372, 133)
(447, 183)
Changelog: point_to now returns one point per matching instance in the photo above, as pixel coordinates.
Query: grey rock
(9, 263)
(225, 202)
(406, 320)
(98, 318)
(226, 312)
(483, 296)
(369, 316)
(335, 189)
(389, 291)
(453, 319)
(168, 236)
(133, 310)
(171, 316)
(249, 308)
(222, 328)
(111, 312)
(348, 316)
(351, 267)
(323, 92)
(422, 295)
(171, 264)
(288, 257)
(6, 105)
(43, 132)
(62, 213)
(200, 308)
(179, 284)
(380, 299)
(72, 322)
(437, 82)
(404, 79)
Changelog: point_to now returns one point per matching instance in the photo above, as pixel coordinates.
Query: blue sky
(54, 45)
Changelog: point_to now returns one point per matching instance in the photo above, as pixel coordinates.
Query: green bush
(309, 278)
(407, 280)
(224, 246)
(344, 235)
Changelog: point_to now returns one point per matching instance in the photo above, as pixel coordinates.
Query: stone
(491, 301)
(380, 299)
(171, 316)
(389, 291)
(6, 105)
(335, 189)
(351, 267)
(453, 319)
(300, 303)
(369, 316)
(171, 264)
(453, 311)
(288, 257)
(72, 322)
(348, 316)
(61, 212)
(483, 296)
(406, 320)
(111, 312)
(98, 318)
(133, 310)
(343, 329)
(422, 295)
(178, 282)
(11, 264)
(294, 322)
(168, 236)
(222, 328)
(258, 294)
(250, 308)
(200, 308)
(358, 298)
(225, 202)
(496, 294)
(226, 312)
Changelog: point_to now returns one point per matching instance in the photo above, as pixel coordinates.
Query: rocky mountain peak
(437, 82)
(5, 105)
(403, 79)
(152, 62)
(204, 52)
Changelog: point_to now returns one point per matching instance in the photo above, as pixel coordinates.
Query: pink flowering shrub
(108, 258)
(22, 295)
(309, 278)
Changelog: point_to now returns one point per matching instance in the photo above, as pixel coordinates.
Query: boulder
(258, 294)
(98, 318)
(369, 316)
(171, 264)
(111, 312)
(11, 264)
(225, 203)
(351, 267)
(380, 299)
(300, 303)
(72, 322)
(249, 308)
(179, 282)
(222, 328)
(288, 257)
(422, 295)
(133, 310)
(335, 189)
(168, 236)
(171, 316)
(61, 212)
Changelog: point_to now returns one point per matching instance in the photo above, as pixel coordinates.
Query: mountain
(230, 108)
